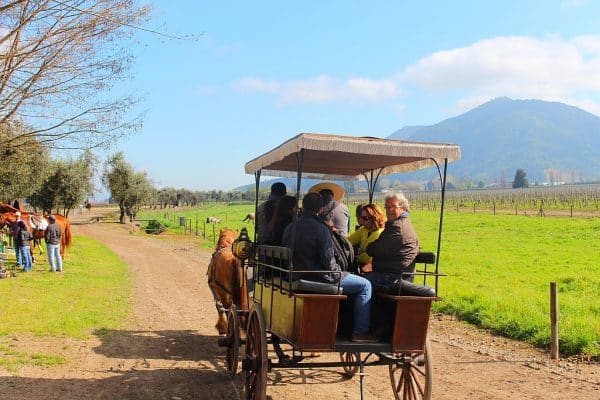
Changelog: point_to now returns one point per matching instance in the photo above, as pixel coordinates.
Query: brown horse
(7, 218)
(227, 279)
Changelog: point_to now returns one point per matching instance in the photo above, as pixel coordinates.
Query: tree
(520, 180)
(129, 189)
(68, 185)
(58, 62)
(23, 168)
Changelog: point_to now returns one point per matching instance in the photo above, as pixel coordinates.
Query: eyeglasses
(366, 217)
(391, 207)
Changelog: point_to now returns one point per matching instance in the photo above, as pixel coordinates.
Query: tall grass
(500, 268)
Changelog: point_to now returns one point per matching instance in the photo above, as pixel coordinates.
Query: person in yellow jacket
(372, 220)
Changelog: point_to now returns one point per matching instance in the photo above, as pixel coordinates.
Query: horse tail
(68, 239)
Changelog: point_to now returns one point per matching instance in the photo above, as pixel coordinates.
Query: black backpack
(343, 252)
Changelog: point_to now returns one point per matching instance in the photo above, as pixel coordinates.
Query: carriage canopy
(336, 157)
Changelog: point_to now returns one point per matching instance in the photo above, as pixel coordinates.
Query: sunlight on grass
(500, 268)
(93, 292)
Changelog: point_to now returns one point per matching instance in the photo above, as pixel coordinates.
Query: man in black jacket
(313, 250)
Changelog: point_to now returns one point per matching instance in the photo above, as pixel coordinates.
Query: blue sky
(261, 72)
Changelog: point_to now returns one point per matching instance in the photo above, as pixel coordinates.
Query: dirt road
(168, 350)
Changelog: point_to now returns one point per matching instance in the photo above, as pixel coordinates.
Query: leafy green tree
(520, 180)
(129, 189)
(140, 192)
(23, 168)
(67, 185)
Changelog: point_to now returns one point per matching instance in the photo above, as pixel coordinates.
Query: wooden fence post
(553, 321)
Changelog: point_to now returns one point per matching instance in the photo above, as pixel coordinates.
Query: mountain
(503, 135)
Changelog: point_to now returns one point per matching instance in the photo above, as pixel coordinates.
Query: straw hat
(338, 191)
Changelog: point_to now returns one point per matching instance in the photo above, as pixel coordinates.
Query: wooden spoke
(350, 370)
(411, 380)
(256, 362)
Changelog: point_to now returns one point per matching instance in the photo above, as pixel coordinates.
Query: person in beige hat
(334, 213)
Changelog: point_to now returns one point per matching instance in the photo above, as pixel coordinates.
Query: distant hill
(502, 135)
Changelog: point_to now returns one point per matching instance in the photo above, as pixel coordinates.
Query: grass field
(93, 293)
(500, 268)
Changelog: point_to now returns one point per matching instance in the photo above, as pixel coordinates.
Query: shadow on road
(153, 345)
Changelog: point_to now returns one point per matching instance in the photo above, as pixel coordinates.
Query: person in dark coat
(22, 244)
(396, 247)
(265, 212)
(313, 250)
(52, 237)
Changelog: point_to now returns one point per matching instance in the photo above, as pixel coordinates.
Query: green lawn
(93, 292)
(500, 268)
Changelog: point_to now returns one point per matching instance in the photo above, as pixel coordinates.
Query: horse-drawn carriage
(304, 314)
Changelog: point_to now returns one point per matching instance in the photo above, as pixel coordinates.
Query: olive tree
(68, 185)
(23, 168)
(128, 188)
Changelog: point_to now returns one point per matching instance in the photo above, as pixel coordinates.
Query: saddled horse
(37, 225)
(227, 279)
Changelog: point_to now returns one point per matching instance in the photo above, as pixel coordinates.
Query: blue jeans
(54, 258)
(381, 280)
(354, 284)
(25, 254)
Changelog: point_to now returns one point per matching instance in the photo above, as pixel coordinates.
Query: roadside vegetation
(94, 294)
(499, 269)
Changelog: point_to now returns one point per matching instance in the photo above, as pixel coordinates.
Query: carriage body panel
(307, 321)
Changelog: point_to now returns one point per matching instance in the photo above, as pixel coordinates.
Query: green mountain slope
(502, 135)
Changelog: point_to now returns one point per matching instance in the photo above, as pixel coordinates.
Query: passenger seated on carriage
(397, 246)
(372, 220)
(313, 250)
(282, 217)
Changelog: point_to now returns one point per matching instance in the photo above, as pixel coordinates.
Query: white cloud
(515, 66)
(574, 3)
(323, 88)
(552, 68)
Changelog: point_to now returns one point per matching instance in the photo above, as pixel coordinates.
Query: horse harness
(211, 273)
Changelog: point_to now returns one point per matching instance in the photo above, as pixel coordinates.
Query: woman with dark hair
(372, 221)
(282, 216)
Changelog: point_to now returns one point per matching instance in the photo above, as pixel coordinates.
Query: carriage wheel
(233, 336)
(255, 362)
(412, 375)
(346, 357)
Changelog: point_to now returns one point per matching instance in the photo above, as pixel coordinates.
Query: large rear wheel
(255, 361)
(411, 375)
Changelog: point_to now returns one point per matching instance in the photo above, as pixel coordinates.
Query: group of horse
(36, 225)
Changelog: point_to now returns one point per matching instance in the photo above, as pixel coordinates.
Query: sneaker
(364, 338)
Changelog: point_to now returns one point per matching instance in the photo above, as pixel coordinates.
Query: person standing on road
(52, 237)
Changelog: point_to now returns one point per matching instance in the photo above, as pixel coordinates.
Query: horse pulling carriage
(304, 314)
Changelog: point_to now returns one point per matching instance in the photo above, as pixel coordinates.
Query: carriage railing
(273, 268)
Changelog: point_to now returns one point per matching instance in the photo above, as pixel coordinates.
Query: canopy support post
(371, 182)
(256, 187)
(299, 166)
(439, 243)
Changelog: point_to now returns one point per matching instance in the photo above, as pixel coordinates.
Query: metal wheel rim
(347, 357)
(255, 380)
(233, 334)
(409, 380)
